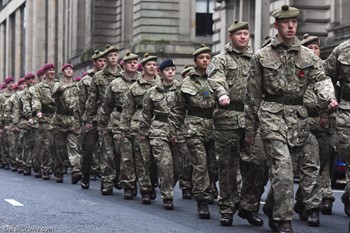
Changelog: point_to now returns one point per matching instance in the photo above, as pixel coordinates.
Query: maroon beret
(20, 81)
(3, 85)
(65, 66)
(78, 78)
(15, 86)
(48, 66)
(40, 72)
(9, 79)
(29, 76)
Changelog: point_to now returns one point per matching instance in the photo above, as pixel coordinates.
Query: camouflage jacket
(43, 102)
(228, 75)
(112, 105)
(66, 115)
(10, 109)
(22, 108)
(6, 115)
(194, 105)
(278, 72)
(157, 103)
(84, 87)
(98, 86)
(129, 121)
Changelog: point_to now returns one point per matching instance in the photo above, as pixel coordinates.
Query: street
(28, 204)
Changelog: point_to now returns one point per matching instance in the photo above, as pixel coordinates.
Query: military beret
(167, 63)
(29, 76)
(109, 49)
(84, 74)
(307, 39)
(78, 78)
(20, 81)
(48, 66)
(285, 12)
(238, 26)
(9, 79)
(130, 56)
(15, 86)
(40, 72)
(186, 69)
(66, 66)
(147, 57)
(97, 54)
(202, 49)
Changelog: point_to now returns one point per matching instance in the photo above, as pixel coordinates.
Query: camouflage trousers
(15, 150)
(5, 147)
(66, 142)
(37, 140)
(185, 176)
(89, 142)
(200, 149)
(144, 162)
(128, 147)
(167, 164)
(280, 196)
(110, 159)
(26, 138)
(46, 153)
(306, 163)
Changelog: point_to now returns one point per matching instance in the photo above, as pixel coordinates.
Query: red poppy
(301, 74)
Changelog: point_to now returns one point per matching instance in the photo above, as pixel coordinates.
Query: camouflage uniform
(195, 96)
(281, 75)
(154, 123)
(337, 67)
(99, 84)
(6, 121)
(112, 107)
(65, 122)
(15, 147)
(132, 149)
(43, 102)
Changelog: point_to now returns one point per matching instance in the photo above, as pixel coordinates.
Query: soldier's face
(131, 66)
(29, 81)
(240, 39)
(286, 28)
(99, 63)
(168, 74)
(150, 68)
(202, 60)
(22, 86)
(10, 85)
(68, 72)
(315, 48)
(50, 73)
(112, 58)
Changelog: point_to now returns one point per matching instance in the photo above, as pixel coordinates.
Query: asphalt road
(33, 205)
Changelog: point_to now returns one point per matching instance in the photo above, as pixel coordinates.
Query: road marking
(262, 202)
(13, 202)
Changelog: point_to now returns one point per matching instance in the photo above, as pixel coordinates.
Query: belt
(201, 112)
(138, 106)
(345, 96)
(161, 117)
(288, 100)
(118, 109)
(233, 106)
(65, 113)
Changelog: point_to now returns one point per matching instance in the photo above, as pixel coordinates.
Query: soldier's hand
(77, 131)
(333, 105)
(39, 115)
(88, 126)
(142, 138)
(224, 100)
(1, 132)
(323, 122)
(172, 139)
(62, 88)
(30, 121)
(249, 140)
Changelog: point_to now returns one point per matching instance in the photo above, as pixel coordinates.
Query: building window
(204, 17)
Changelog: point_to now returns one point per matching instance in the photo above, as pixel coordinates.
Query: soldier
(154, 123)
(112, 107)
(337, 67)
(90, 159)
(66, 125)
(129, 125)
(99, 83)
(195, 96)
(186, 70)
(43, 107)
(228, 78)
(279, 75)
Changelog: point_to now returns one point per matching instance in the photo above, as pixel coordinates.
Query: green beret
(202, 49)
(285, 12)
(109, 49)
(186, 69)
(307, 39)
(147, 57)
(130, 56)
(97, 54)
(238, 26)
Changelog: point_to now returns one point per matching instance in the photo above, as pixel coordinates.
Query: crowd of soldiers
(236, 120)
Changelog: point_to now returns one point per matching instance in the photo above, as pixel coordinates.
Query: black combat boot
(46, 175)
(7, 166)
(128, 194)
(203, 209)
(186, 194)
(59, 178)
(76, 177)
(168, 204)
(153, 193)
(327, 205)
(299, 208)
(146, 198)
(285, 227)
(313, 218)
(346, 201)
(272, 223)
(107, 191)
(85, 181)
(226, 220)
(117, 184)
(251, 216)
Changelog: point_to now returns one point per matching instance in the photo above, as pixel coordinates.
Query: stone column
(88, 23)
(39, 33)
(60, 31)
(8, 47)
(2, 51)
(18, 44)
(51, 33)
(29, 36)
